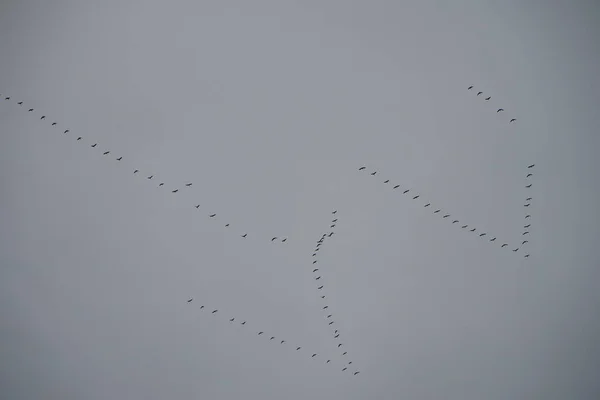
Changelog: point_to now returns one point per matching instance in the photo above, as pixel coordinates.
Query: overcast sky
(269, 108)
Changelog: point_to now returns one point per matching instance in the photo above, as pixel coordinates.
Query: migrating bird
(94, 145)
(332, 226)
(314, 355)
(446, 216)
(504, 245)
(527, 226)
(214, 311)
(30, 110)
(357, 372)
(315, 270)
(327, 362)
(526, 205)
(335, 220)
(67, 131)
(79, 138)
(244, 323)
(527, 216)
(150, 177)
(8, 98)
(232, 319)
(436, 211)
(427, 205)
(482, 234)
(339, 345)
(283, 240)
(244, 235)
(528, 175)
(479, 93)
(406, 191)
(331, 322)
(20, 103)
(282, 342)
(515, 250)
(190, 300)
(201, 307)
(175, 191)
(344, 353)
(492, 239)
(298, 348)
(188, 184)
(320, 287)
(361, 168)
(54, 123)
(260, 333)
(272, 337)
(386, 181)
(416, 197)
(105, 153)
(226, 225)
(525, 233)
(470, 87)
(531, 166)
(525, 241)
(136, 171)
(317, 278)
(212, 215)
(329, 316)
(373, 173)
(455, 221)
(337, 336)
(274, 238)
(43, 116)
(464, 226)
(487, 98)
(500, 109)
(526, 256)
(161, 184)
(345, 368)
(396, 187)
(119, 159)
(512, 120)
(314, 254)
(473, 230)
(325, 307)
(528, 186)
(528, 199)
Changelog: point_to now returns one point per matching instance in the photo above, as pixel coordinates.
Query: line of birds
(149, 177)
(487, 99)
(232, 320)
(528, 200)
(319, 283)
(444, 215)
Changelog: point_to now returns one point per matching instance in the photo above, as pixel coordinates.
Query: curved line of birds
(320, 285)
(528, 200)
(149, 177)
(479, 93)
(447, 216)
(274, 339)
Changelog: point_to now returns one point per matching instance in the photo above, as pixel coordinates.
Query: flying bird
(500, 109)
(504, 245)
(54, 123)
(274, 238)
(526, 256)
(416, 197)
(344, 353)
(396, 187)
(492, 239)
(386, 181)
(361, 168)
(334, 212)
(327, 362)
(161, 184)
(528, 186)
(8, 98)
(244, 235)
(525, 241)
(406, 191)
(331, 322)
(30, 110)
(190, 300)
(446, 216)
(329, 316)
(325, 307)
(150, 177)
(487, 98)
(479, 93)
(136, 171)
(531, 166)
(315, 270)
(314, 355)
(67, 131)
(525, 233)
(470, 87)
(357, 372)
(298, 348)
(214, 311)
(528, 199)
(339, 345)
(260, 333)
(337, 336)
(272, 337)
(175, 191)
(464, 226)
(320, 287)
(106, 153)
(373, 173)
(512, 120)
(528, 175)
(343, 369)
(436, 211)
(20, 103)
(226, 225)
(282, 342)
(43, 116)
(526, 205)
(427, 205)
(527, 216)
(119, 159)
(482, 234)
(94, 145)
(283, 240)
(212, 215)
(188, 184)
(244, 323)
(79, 138)
(317, 278)
(232, 319)
(335, 220)
(455, 221)
(201, 307)
(472, 230)
(527, 226)
(515, 250)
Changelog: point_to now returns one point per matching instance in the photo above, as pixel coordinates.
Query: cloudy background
(269, 108)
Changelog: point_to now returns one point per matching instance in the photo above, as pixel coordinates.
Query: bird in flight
(473, 230)
(175, 191)
(512, 120)
(190, 300)
(500, 109)
(528, 199)
(275, 237)
(212, 215)
(315, 270)
(357, 372)
(386, 181)
(528, 175)
(106, 153)
(282, 342)
(515, 250)
(464, 226)
(67, 131)
(54, 123)
(526, 256)
(345, 368)
(320, 287)
(455, 221)
(161, 184)
(244, 323)
(482, 234)
(504, 245)
(531, 166)
(470, 87)
(214, 311)
(525, 233)
(528, 186)
(150, 177)
(119, 159)
(136, 171)
(244, 235)
(396, 187)
(487, 98)
(492, 239)
(361, 168)
(94, 145)
(283, 240)
(525, 241)
(272, 337)
(527, 216)
(416, 197)
(526, 205)
(436, 211)
(527, 226)
(43, 116)
(79, 138)
(427, 205)
(446, 216)
(232, 319)
(30, 110)
(188, 184)
(20, 103)
(479, 93)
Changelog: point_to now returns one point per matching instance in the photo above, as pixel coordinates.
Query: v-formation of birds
(280, 341)
(448, 216)
(488, 98)
(243, 235)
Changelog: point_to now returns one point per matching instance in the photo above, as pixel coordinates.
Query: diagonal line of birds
(276, 339)
(488, 98)
(527, 205)
(149, 177)
(315, 267)
(444, 215)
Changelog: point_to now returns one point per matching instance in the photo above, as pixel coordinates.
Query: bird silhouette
(361, 168)
(334, 220)
(326, 307)
(500, 109)
(526, 255)
(406, 191)
(339, 345)
(315, 270)
(515, 250)
(416, 197)
(357, 372)
(527, 216)
(528, 199)
(272, 337)
(190, 300)
(374, 173)
(212, 215)
(79, 138)
(226, 225)
(188, 184)
(201, 307)
(298, 348)
(260, 333)
(30, 110)
(482, 234)
(344, 353)
(214, 311)
(244, 323)
(526, 205)
(161, 184)
(43, 116)
(94, 145)
(334, 212)
(528, 186)
(320, 287)
(8, 98)
(446, 216)
(524, 241)
(479, 93)
(464, 226)
(273, 238)
(492, 239)
(436, 211)
(327, 362)
(427, 205)
(232, 319)
(53, 124)
(512, 120)
(343, 369)
(20, 103)
(487, 98)
(317, 278)
(528, 175)
(527, 226)
(67, 131)
(504, 245)
(396, 187)
(119, 159)
(472, 230)
(314, 355)
(150, 177)
(136, 171)
(470, 87)
(337, 336)
(525, 233)
(282, 342)
(531, 166)
(386, 181)
(106, 153)
(331, 322)
(283, 240)
(244, 235)
(175, 191)
(455, 221)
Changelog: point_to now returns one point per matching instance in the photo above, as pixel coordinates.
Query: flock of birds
(447, 216)
(488, 99)
(150, 177)
(314, 265)
(276, 339)
(321, 286)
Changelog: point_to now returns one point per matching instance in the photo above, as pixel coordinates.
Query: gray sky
(269, 108)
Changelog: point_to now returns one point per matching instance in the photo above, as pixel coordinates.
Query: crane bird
(94, 145)
(188, 184)
(315, 270)
(386, 181)
(527, 216)
(374, 173)
(79, 138)
(504, 245)
(317, 278)
(361, 168)
(43, 116)
(526, 205)
(119, 159)
(244, 235)
(260, 333)
(416, 197)
(470, 87)
(515, 250)
(487, 98)
(232, 319)
(527, 226)
(446, 216)
(175, 191)
(314, 355)
(500, 109)
(339, 345)
(331, 322)
(106, 153)
(20, 103)
(272, 337)
(150, 177)
(512, 120)
(525, 241)
(298, 348)
(67, 131)
(345, 368)
(326, 307)
(320, 287)
(54, 123)
(464, 226)
(357, 372)
(526, 256)
(190, 300)
(212, 215)
(479, 93)
(214, 311)
(531, 166)
(525, 233)
(30, 110)
(528, 175)
(528, 199)
(436, 211)
(136, 171)
(334, 212)
(282, 342)
(427, 205)
(492, 239)
(482, 234)
(283, 240)
(244, 323)
(406, 191)
(161, 184)
(396, 187)
(274, 238)
(528, 186)
(455, 221)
